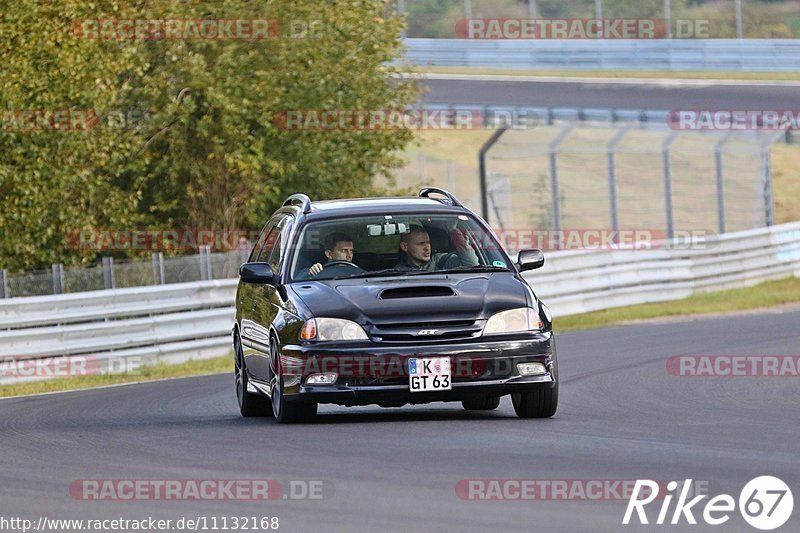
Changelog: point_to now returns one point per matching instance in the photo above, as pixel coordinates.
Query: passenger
(415, 252)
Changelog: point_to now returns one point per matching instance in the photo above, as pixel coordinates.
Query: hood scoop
(417, 291)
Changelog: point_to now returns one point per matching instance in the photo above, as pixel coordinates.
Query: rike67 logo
(765, 503)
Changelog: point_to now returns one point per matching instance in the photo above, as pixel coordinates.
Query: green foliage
(186, 136)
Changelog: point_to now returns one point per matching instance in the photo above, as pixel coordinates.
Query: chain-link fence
(753, 19)
(113, 274)
(616, 176)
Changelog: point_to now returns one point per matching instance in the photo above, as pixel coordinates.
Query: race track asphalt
(621, 417)
(597, 94)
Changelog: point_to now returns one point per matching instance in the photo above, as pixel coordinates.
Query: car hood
(415, 298)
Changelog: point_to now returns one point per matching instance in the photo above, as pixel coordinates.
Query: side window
(259, 244)
(278, 250)
(269, 244)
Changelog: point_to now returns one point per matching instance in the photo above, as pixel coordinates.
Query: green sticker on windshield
(499, 264)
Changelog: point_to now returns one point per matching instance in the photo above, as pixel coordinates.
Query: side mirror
(530, 259)
(257, 273)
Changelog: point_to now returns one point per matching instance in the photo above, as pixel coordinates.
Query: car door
(268, 300)
(255, 332)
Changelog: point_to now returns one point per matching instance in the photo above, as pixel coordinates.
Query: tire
(540, 403)
(250, 404)
(481, 404)
(283, 411)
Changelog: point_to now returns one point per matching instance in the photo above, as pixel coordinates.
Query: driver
(415, 252)
(338, 247)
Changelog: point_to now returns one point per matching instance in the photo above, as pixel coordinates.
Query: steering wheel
(342, 264)
(337, 263)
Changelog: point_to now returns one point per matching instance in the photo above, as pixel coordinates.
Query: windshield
(395, 245)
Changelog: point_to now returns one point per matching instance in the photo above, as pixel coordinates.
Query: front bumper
(378, 374)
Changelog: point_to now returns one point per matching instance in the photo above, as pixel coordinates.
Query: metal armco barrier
(581, 281)
(764, 55)
(170, 323)
(178, 322)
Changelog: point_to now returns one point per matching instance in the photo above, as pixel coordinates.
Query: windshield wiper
(467, 268)
(376, 273)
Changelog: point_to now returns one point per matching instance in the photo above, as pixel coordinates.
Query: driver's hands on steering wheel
(315, 269)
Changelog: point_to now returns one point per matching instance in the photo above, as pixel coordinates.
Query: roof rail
(304, 200)
(426, 193)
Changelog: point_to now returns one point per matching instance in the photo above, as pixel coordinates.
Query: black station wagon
(388, 301)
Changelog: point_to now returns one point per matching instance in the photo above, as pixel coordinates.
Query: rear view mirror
(389, 228)
(257, 273)
(530, 259)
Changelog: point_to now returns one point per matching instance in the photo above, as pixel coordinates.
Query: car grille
(426, 332)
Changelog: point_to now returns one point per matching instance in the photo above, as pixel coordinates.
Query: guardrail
(757, 55)
(581, 281)
(105, 329)
(175, 323)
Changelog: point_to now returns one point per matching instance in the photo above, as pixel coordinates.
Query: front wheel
(283, 411)
(540, 403)
(481, 404)
(250, 404)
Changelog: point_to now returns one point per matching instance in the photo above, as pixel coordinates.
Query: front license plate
(429, 374)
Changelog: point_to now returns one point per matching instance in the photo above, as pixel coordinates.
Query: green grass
(687, 75)
(764, 295)
(146, 373)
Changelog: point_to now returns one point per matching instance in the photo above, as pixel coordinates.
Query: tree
(199, 146)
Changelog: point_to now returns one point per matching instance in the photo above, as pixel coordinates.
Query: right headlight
(332, 329)
(516, 320)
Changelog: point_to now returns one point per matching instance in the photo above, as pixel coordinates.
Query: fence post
(158, 268)
(58, 278)
(108, 272)
(668, 186)
(205, 263)
(556, 212)
(612, 178)
(4, 292)
(720, 183)
(482, 169)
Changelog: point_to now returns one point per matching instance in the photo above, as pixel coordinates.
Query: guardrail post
(58, 278)
(158, 268)
(720, 184)
(108, 272)
(4, 292)
(766, 178)
(612, 178)
(668, 186)
(205, 263)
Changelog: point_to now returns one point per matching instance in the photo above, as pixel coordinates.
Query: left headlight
(513, 321)
(332, 329)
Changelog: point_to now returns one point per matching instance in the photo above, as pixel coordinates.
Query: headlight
(513, 321)
(332, 329)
